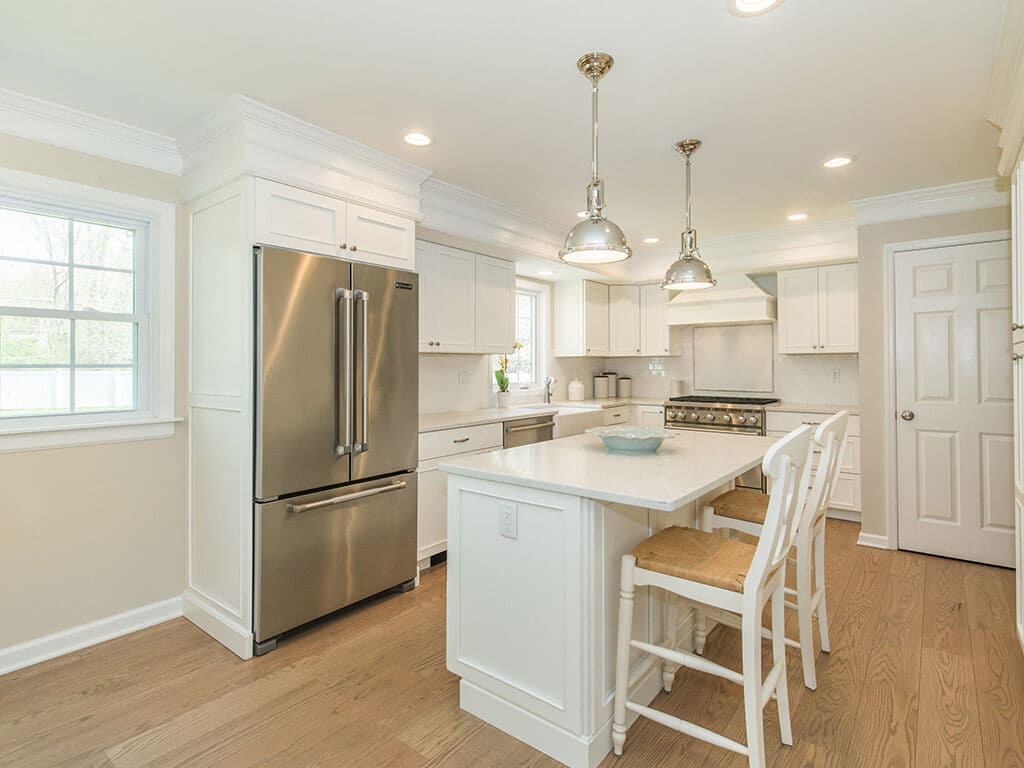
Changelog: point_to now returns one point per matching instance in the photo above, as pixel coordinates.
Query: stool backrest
(787, 464)
(830, 438)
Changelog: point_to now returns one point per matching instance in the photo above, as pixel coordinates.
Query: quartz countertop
(432, 422)
(686, 467)
(789, 407)
(609, 402)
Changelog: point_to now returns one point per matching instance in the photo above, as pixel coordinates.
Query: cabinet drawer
(787, 421)
(448, 442)
(616, 415)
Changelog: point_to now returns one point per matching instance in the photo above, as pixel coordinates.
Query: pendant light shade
(689, 272)
(595, 240)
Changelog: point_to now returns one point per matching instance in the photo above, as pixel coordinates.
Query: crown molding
(244, 137)
(1005, 107)
(69, 128)
(933, 201)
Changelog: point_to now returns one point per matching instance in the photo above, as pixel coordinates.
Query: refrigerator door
(303, 372)
(322, 551)
(386, 309)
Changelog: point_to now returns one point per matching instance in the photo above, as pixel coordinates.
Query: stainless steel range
(721, 413)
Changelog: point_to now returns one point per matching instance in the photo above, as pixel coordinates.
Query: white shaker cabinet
(653, 328)
(818, 310)
(447, 299)
(1017, 329)
(624, 319)
(495, 305)
(379, 238)
(581, 319)
(649, 415)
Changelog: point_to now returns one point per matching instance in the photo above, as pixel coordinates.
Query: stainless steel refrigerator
(336, 436)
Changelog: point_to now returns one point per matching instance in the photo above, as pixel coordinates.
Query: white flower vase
(504, 399)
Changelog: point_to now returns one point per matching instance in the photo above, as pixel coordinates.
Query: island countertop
(687, 466)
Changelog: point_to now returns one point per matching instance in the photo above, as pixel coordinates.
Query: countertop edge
(460, 419)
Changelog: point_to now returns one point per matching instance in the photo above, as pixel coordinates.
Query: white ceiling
(901, 85)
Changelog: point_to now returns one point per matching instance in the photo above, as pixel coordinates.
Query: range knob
(741, 419)
(752, 420)
(726, 418)
(709, 417)
(693, 416)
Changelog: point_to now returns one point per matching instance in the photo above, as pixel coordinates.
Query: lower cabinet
(648, 416)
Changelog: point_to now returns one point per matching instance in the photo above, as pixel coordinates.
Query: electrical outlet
(835, 376)
(509, 520)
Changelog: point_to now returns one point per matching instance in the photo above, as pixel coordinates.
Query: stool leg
(700, 626)
(668, 669)
(779, 658)
(622, 653)
(803, 609)
(819, 566)
(752, 683)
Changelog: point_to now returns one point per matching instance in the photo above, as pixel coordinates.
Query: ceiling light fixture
(751, 7)
(689, 272)
(839, 161)
(797, 217)
(595, 240)
(651, 240)
(417, 139)
(545, 273)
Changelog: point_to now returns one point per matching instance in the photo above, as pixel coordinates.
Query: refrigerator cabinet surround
(322, 551)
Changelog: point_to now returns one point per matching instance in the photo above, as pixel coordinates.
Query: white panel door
(495, 305)
(380, 238)
(653, 317)
(595, 318)
(624, 319)
(798, 311)
(953, 390)
(447, 299)
(837, 309)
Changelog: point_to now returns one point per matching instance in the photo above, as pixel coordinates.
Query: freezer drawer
(322, 551)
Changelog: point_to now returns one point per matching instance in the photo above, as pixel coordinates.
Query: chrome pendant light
(689, 272)
(595, 240)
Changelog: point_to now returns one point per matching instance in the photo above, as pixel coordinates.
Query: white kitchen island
(536, 537)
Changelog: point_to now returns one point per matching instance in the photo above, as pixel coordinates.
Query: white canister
(625, 387)
(613, 380)
(576, 389)
(678, 387)
(600, 387)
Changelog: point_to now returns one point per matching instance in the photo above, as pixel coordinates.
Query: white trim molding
(1005, 108)
(933, 201)
(68, 640)
(61, 126)
(875, 540)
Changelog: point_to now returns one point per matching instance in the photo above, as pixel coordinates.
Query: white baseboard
(59, 643)
(217, 624)
(843, 514)
(874, 540)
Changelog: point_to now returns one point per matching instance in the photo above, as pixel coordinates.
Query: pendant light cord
(593, 92)
(688, 194)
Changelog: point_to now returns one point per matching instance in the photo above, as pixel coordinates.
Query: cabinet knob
(343, 246)
(1017, 356)
(1016, 327)
(353, 248)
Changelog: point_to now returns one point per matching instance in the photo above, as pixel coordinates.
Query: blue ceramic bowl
(620, 438)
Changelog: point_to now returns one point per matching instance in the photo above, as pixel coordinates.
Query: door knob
(907, 415)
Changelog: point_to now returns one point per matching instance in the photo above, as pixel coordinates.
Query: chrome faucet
(549, 388)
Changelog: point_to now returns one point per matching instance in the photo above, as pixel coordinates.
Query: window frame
(154, 225)
(542, 297)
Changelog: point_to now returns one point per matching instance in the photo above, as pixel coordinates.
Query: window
(524, 365)
(70, 315)
(86, 314)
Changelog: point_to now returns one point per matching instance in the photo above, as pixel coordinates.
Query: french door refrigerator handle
(363, 297)
(346, 498)
(343, 378)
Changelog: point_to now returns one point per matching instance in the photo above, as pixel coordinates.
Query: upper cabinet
(466, 301)
(653, 320)
(295, 218)
(818, 310)
(624, 319)
(581, 319)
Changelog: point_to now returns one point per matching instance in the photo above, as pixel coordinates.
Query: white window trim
(543, 292)
(156, 417)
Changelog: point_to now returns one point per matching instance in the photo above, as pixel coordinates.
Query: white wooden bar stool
(745, 510)
(732, 575)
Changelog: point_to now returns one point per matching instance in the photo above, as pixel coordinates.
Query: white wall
(93, 531)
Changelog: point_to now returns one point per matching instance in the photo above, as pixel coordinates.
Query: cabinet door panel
(380, 238)
(837, 309)
(653, 330)
(798, 311)
(431, 511)
(595, 327)
(624, 319)
(495, 305)
(447, 299)
(650, 416)
(298, 219)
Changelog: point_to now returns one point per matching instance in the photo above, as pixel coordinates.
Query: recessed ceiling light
(797, 216)
(581, 214)
(651, 240)
(839, 161)
(751, 7)
(545, 273)
(417, 139)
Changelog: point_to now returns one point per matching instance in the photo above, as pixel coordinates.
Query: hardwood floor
(925, 670)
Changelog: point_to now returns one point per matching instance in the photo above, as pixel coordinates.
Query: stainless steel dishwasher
(535, 429)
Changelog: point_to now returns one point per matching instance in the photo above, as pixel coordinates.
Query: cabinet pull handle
(353, 248)
(461, 440)
(1016, 327)
(343, 246)
(299, 508)
(1017, 356)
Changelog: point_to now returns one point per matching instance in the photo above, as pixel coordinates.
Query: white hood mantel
(736, 299)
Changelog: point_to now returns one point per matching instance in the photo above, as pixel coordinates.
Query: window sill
(36, 438)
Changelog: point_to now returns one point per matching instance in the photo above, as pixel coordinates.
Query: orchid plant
(501, 374)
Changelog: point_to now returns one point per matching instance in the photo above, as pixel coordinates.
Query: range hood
(736, 299)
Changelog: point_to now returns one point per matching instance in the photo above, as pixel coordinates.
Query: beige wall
(871, 242)
(89, 532)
